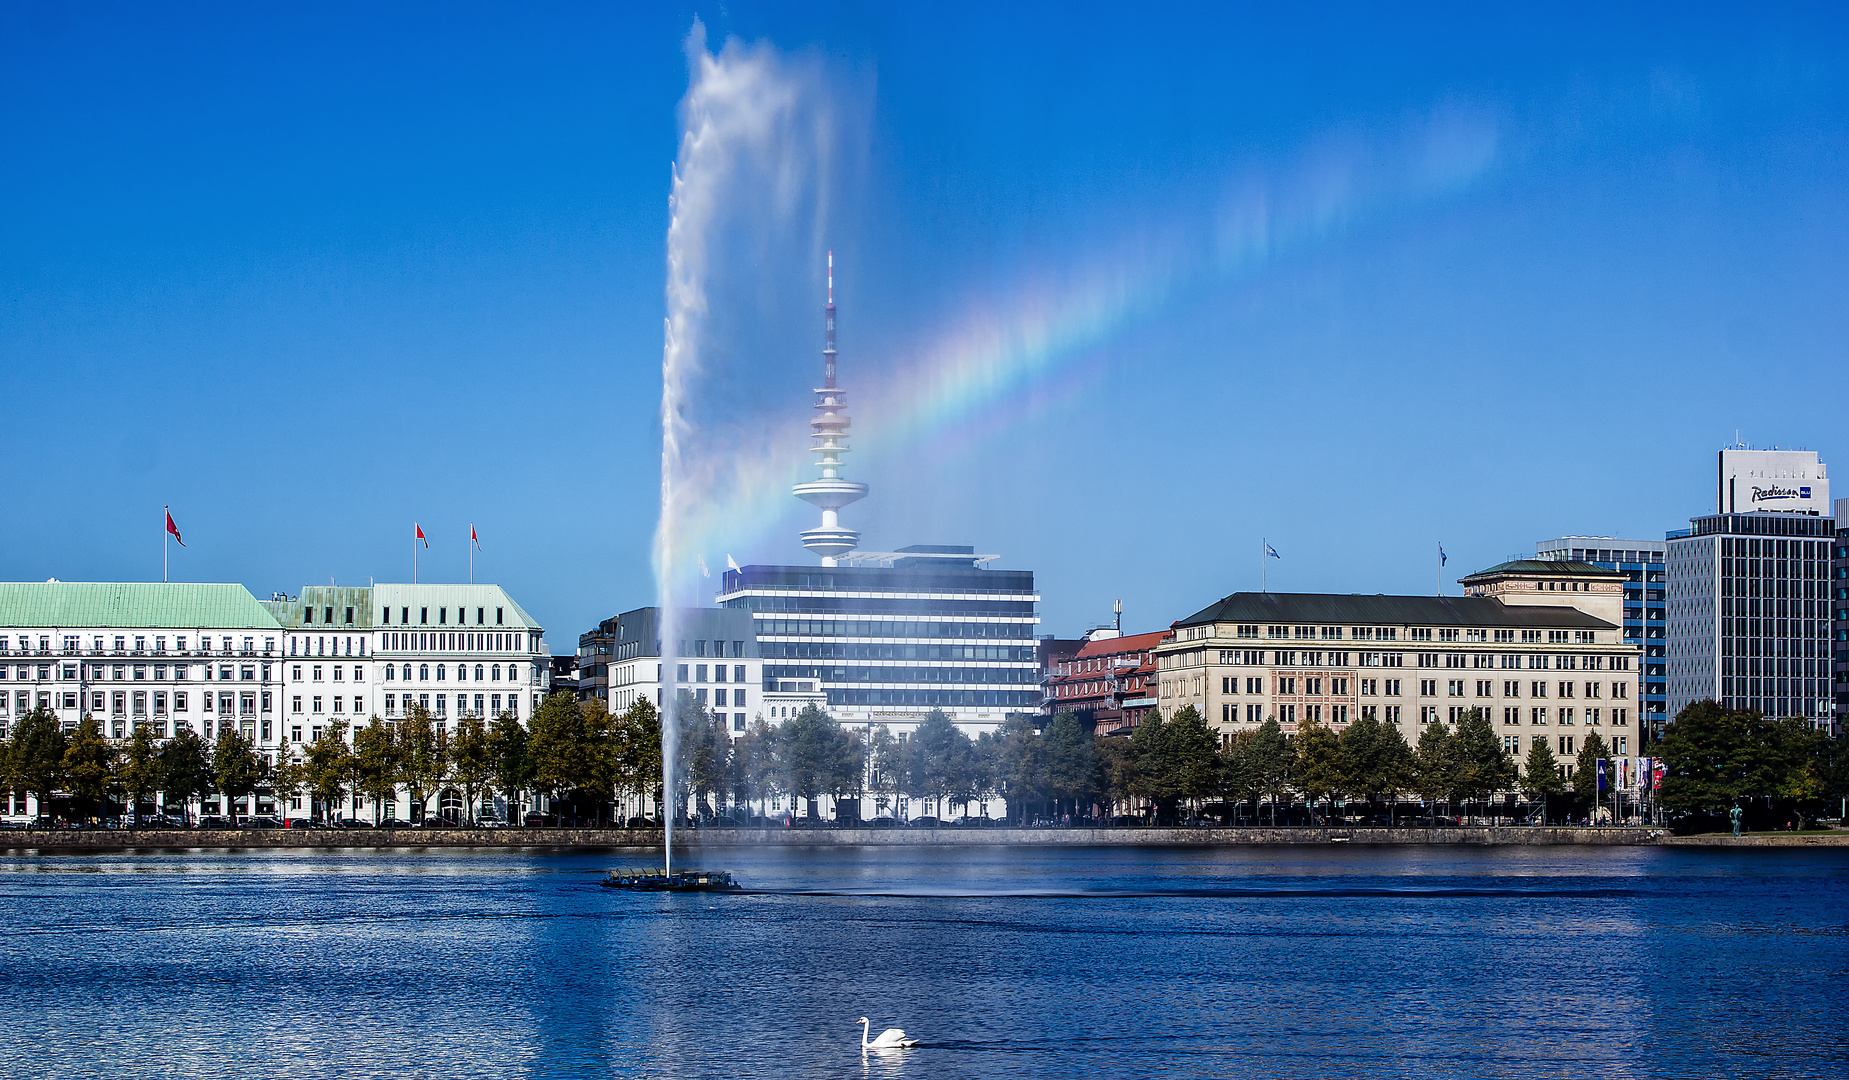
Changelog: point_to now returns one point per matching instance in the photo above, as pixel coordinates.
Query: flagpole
(471, 553)
(1264, 563)
(165, 510)
(414, 553)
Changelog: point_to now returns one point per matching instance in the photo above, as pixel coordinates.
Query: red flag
(420, 533)
(473, 539)
(174, 530)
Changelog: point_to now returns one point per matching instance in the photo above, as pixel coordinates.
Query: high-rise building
(1749, 590)
(898, 634)
(1839, 618)
(1645, 606)
(888, 636)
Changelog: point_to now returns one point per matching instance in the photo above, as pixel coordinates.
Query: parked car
(260, 823)
(536, 820)
(632, 823)
(214, 821)
(351, 823)
(304, 823)
(394, 823)
(880, 823)
(926, 822)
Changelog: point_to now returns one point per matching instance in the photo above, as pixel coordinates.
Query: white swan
(891, 1038)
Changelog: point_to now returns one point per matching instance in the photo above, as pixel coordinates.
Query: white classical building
(202, 657)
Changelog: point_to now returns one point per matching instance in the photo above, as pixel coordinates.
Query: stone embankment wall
(154, 839)
(1839, 838)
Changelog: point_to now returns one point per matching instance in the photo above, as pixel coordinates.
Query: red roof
(1127, 644)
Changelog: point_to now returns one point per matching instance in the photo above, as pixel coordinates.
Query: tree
(704, 749)
(1358, 757)
(1482, 767)
(1193, 752)
(471, 755)
(139, 769)
(885, 758)
(637, 745)
(37, 752)
(1116, 769)
(1586, 771)
(1541, 773)
(1270, 757)
(185, 768)
(561, 753)
(1319, 763)
(809, 754)
(375, 765)
(1019, 758)
(512, 762)
(422, 757)
(1435, 766)
(236, 770)
(88, 766)
(1071, 760)
(327, 766)
(1715, 757)
(1397, 767)
(941, 759)
(286, 778)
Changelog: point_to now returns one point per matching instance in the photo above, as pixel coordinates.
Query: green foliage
(637, 736)
(1019, 757)
(185, 767)
(1586, 768)
(286, 778)
(422, 755)
(36, 755)
(236, 769)
(814, 756)
(1541, 770)
(1481, 765)
(1435, 765)
(88, 766)
(512, 761)
(1269, 758)
(942, 761)
(1116, 768)
(705, 752)
(1320, 773)
(138, 768)
(376, 764)
(1071, 759)
(327, 766)
(1715, 757)
(471, 756)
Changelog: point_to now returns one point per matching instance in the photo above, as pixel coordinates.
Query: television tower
(829, 435)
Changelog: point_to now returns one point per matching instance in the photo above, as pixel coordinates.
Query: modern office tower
(717, 660)
(1839, 618)
(1645, 606)
(894, 635)
(1749, 590)
(1537, 646)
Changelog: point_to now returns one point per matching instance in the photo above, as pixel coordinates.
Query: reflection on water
(1005, 962)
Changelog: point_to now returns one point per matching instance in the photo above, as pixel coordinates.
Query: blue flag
(1601, 775)
(1442, 557)
(1273, 552)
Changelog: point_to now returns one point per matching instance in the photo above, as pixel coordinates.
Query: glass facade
(922, 633)
(1839, 621)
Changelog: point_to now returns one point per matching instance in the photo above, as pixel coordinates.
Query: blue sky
(312, 273)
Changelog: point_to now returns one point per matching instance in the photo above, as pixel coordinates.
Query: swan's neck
(863, 1034)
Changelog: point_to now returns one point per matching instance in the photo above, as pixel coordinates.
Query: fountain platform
(680, 881)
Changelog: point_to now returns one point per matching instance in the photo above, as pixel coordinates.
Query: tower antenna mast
(828, 435)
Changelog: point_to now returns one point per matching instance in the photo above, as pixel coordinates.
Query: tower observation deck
(828, 433)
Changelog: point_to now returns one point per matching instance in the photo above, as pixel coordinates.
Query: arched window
(423, 671)
(495, 673)
(462, 672)
(439, 672)
(478, 673)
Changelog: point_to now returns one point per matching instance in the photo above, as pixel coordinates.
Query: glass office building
(890, 636)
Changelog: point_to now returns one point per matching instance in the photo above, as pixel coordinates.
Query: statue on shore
(1734, 814)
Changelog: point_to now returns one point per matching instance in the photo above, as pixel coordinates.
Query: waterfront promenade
(690, 839)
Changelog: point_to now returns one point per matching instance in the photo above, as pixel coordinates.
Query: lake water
(1031, 962)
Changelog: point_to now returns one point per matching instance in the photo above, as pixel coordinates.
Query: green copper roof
(73, 605)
